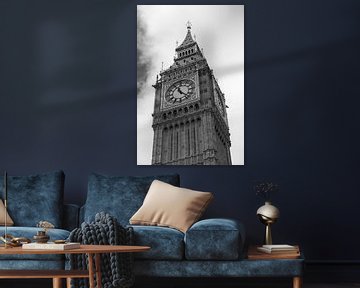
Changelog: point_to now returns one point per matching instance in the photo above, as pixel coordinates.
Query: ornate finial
(177, 43)
(162, 66)
(194, 37)
(188, 25)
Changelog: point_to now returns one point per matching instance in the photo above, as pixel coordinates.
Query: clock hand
(179, 90)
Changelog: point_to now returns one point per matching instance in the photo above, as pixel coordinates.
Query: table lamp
(268, 214)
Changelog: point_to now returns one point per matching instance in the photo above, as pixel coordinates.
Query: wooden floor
(45, 283)
(339, 285)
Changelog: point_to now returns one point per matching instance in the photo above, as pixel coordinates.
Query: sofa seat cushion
(35, 198)
(166, 243)
(29, 232)
(119, 196)
(214, 239)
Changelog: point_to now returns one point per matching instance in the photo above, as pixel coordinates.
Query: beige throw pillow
(9, 221)
(170, 206)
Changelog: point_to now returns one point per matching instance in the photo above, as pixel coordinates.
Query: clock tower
(189, 120)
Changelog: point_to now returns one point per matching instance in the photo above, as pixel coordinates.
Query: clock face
(180, 91)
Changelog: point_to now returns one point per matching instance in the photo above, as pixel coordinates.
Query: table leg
(91, 270)
(57, 283)
(68, 282)
(297, 282)
(98, 270)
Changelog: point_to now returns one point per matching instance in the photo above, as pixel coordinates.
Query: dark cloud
(144, 62)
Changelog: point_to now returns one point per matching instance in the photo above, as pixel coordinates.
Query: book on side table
(51, 246)
(274, 252)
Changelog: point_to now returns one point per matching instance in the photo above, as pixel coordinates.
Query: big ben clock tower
(189, 120)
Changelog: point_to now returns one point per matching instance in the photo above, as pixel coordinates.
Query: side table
(288, 259)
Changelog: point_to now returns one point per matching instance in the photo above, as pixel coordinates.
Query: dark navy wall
(68, 101)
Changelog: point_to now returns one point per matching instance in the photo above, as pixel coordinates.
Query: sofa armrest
(71, 216)
(215, 239)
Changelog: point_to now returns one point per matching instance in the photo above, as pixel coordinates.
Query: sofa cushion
(119, 196)
(165, 243)
(9, 221)
(214, 239)
(29, 232)
(170, 206)
(35, 198)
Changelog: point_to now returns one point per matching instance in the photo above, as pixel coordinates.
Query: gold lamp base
(268, 238)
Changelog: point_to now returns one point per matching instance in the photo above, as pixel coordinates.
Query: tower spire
(188, 25)
(188, 38)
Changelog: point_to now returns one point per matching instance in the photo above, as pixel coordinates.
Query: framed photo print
(190, 85)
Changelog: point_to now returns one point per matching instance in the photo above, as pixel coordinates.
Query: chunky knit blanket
(116, 268)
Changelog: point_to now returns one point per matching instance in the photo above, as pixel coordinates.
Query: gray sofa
(210, 248)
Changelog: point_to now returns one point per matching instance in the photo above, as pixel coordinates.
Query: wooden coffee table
(255, 255)
(57, 275)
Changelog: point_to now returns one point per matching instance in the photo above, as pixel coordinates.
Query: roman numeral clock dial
(180, 91)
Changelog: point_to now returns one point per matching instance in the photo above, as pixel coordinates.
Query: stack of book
(279, 249)
(273, 252)
(51, 246)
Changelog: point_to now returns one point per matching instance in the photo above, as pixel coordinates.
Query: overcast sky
(219, 30)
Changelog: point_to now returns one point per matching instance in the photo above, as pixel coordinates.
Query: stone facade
(189, 120)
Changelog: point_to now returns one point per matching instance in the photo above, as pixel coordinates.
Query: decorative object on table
(41, 236)
(11, 241)
(268, 213)
(116, 268)
(59, 241)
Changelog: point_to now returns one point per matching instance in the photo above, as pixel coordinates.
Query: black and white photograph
(190, 85)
